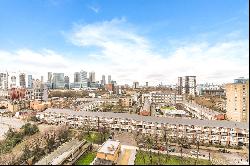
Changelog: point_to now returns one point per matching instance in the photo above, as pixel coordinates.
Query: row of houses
(162, 97)
(207, 131)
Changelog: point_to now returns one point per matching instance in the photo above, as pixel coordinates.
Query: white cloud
(129, 57)
(94, 9)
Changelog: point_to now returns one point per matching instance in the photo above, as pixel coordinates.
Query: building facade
(22, 80)
(58, 81)
(30, 82)
(4, 81)
(135, 85)
(210, 132)
(237, 105)
(187, 85)
(91, 77)
(103, 81)
(66, 82)
(109, 79)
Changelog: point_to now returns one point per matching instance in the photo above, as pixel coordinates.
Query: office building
(42, 79)
(186, 85)
(237, 105)
(210, 89)
(58, 81)
(135, 85)
(76, 77)
(30, 82)
(66, 82)
(83, 79)
(91, 77)
(103, 81)
(22, 81)
(109, 79)
(146, 84)
(50, 77)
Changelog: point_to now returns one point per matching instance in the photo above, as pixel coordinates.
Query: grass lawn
(171, 160)
(86, 158)
(167, 108)
(95, 137)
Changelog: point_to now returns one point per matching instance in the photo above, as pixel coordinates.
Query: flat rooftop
(109, 147)
(61, 153)
(153, 119)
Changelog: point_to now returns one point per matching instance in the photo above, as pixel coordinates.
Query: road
(7, 122)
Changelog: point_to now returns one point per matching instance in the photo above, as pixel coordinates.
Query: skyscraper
(50, 77)
(42, 79)
(103, 81)
(22, 80)
(58, 80)
(83, 79)
(91, 77)
(135, 85)
(109, 79)
(30, 82)
(76, 77)
(66, 82)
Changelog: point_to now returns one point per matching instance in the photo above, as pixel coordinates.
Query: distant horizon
(144, 41)
(71, 78)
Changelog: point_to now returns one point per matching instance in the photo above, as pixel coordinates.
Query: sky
(153, 41)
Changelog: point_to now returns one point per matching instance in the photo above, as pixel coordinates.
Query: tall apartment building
(30, 82)
(91, 77)
(50, 77)
(109, 79)
(58, 81)
(38, 92)
(237, 105)
(83, 79)
(4, 81)
(187, 85)
(13, 83)
(22, 80)
(135, 85)
(103, 81)
(66, 82)
(76, 77)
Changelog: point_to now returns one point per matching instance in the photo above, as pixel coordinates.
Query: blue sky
(157, 30)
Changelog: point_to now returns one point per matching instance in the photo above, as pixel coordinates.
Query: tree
(50, 141)
(26, 153)
(165, 137)
(181, 141)
(63, 136)
(29, 129)
(198, 148)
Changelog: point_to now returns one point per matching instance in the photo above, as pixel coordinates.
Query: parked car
(194, 152)
(187, 146)
(140, 145)
(224, 151)
(170, 149)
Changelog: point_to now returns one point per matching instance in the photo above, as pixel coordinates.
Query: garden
(147, 158)
(86, 158)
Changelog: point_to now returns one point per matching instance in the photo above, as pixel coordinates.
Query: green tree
(29, 129)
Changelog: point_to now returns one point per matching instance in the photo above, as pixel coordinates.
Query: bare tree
(198, 148)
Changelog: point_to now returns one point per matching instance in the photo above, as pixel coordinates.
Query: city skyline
(200, 39)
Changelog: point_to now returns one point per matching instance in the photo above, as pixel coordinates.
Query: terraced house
(204, 131)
